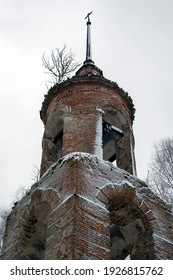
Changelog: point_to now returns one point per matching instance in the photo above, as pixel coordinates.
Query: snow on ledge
(163, 239)
(78, 156)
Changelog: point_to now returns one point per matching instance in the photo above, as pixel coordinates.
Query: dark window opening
(111, 134)
(58, 142)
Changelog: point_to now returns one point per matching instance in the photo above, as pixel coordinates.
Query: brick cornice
(84, 80)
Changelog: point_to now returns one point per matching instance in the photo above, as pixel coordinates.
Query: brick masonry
(78, 211)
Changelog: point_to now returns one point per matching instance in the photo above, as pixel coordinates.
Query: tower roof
(89, 67)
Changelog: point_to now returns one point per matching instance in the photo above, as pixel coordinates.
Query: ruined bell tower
(88, 203)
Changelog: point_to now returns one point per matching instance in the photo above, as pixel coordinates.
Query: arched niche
(118, 139)
(112, 127)
(131, 223)
(130, 231)
(114, 116)
(34, 231)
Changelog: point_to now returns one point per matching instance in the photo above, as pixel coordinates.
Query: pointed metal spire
(88, 60)
(92, 70)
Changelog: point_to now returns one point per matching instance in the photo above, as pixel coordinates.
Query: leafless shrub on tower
(60, 64)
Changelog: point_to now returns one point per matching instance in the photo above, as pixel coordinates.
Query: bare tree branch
(35, 173)
(20, 193)
(4, 212)
(60, 64)
(161, 170)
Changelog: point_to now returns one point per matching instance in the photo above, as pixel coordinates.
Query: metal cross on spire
(88, 16)
(88, 43)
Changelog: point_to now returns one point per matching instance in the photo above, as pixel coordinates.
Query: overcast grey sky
(132, 42)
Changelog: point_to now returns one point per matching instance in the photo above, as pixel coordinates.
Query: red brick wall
(82, 191)
(85, 99)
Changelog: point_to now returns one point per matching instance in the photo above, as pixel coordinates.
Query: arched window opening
(130, 232)
(111, 134)
(52, 141)
(58, 140)
(34, 232)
